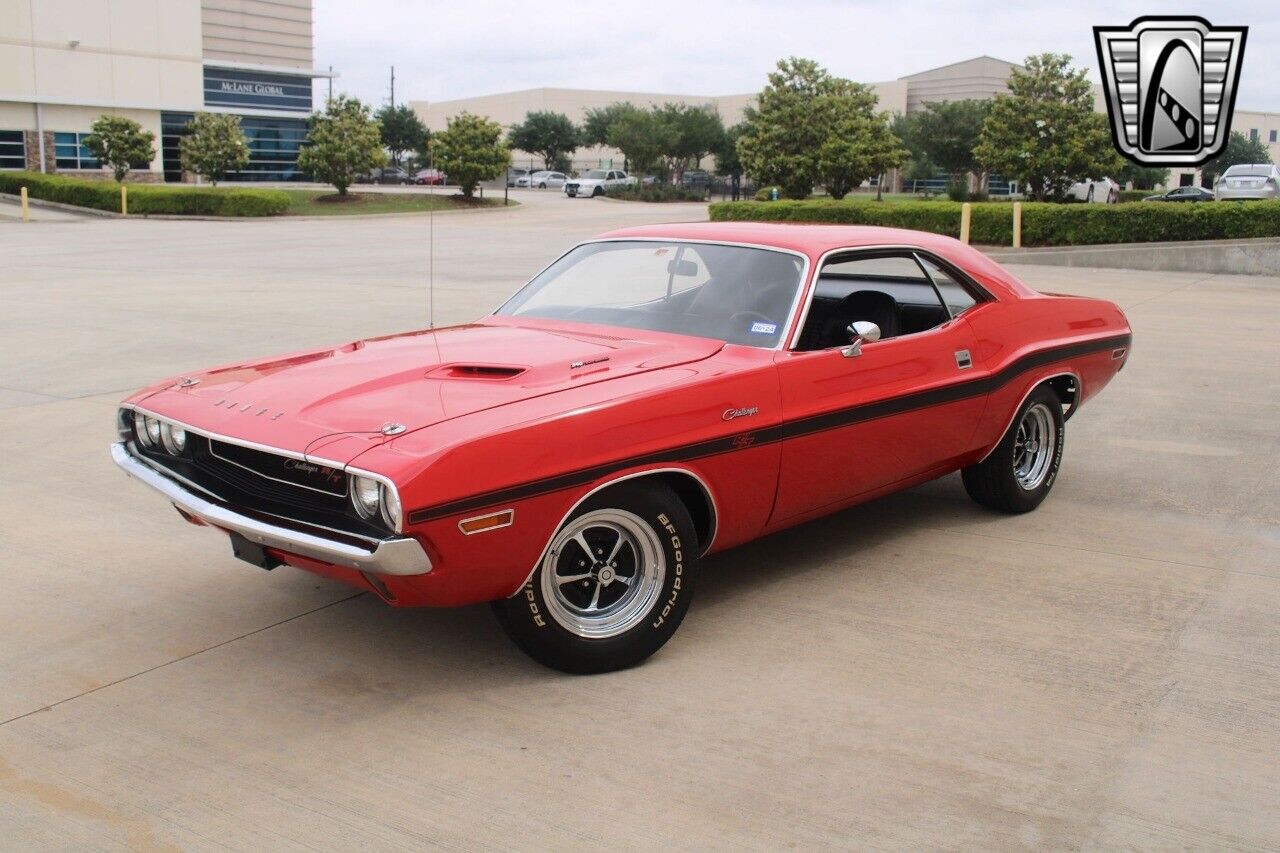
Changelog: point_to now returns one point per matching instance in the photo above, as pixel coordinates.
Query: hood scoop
(490, 372)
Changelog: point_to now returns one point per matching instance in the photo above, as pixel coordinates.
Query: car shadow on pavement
(463, 647)
(830, 543)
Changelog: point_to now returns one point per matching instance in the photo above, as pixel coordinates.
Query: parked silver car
(1248, 181)
(542, 180)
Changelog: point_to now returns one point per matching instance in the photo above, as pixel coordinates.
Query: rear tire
(613, 602)
(1020, 472)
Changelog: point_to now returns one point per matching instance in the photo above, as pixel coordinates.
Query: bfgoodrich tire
(614, 585)
(1020, 472)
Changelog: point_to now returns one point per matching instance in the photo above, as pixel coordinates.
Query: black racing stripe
(788, 429)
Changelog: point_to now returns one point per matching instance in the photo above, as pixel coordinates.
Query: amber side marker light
(492, 521)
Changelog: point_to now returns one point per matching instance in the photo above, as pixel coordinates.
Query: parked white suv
(1248, 181)
(595, 181)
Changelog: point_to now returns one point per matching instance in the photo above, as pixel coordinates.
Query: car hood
(333, 402)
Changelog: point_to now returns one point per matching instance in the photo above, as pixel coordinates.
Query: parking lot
(914, 673)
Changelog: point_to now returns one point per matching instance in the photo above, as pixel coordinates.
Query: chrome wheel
(602, 574)
(1034, 446)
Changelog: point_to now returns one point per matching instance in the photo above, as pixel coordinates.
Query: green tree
(215, 146)
(810, 128)
(727, 160)
(859, 144)
(120, 143)
(1239, 149)
(550, 135)
(597, 121)
(642, 138)
(948, 131)
(401, 130)
(1045, 132)
(343, 142)
(692, 134)
(471, 150)
(1142, 177)
(917, 166)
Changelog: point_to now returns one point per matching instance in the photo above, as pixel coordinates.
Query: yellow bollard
(124, 200)
(26, 214)
(1017, 225)
(966, 214)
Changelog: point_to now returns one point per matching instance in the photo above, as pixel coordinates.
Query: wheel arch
(1065, 383)
(692, 489)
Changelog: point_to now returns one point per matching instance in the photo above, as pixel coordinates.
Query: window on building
(13, 150)
(1253, 134)
(273, 147)
(70, 152)
(1272, 137)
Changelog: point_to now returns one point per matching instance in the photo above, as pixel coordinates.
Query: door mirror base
(862, 332)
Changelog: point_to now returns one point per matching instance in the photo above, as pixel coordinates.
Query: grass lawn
(327, 203)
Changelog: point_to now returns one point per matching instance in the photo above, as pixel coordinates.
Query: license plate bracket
(252, 552)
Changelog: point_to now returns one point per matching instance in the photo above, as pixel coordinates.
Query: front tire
(597, 191)
(616, 581)
(1020, 472)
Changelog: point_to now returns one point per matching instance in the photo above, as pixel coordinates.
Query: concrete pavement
(915, 673)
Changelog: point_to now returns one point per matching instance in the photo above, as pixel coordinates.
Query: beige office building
(65, 62)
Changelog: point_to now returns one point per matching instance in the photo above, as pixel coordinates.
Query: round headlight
(390, 507)
(173, 437)
(148, 430)
(365, 495)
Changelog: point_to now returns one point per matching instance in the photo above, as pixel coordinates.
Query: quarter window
(13, 150)
(71, 153)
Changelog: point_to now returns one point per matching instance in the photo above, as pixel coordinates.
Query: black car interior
(890, 290)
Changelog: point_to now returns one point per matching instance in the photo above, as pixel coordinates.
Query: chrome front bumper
(401, 555)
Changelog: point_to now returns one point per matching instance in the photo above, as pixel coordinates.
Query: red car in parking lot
(654, 395)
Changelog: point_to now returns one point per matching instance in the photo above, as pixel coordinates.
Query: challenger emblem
(1170, 84)
(730, 414)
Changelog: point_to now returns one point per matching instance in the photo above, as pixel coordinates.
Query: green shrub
(766, 193)
(656, 192)
(147, 199)
(1137, 195)
(1043, 224)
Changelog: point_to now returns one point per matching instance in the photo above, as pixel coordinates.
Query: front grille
(259, 480)
(283, 469)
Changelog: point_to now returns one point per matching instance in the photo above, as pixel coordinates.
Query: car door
(906, 405)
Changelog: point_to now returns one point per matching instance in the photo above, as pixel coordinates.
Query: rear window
(1248, 172)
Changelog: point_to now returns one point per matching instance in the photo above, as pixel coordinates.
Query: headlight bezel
(173, 438)
(386, 511)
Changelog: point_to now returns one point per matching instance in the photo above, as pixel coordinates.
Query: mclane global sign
(252, 88)
(234, 87)
(1171, 86)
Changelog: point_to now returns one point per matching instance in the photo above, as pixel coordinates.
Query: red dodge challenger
(654, 395)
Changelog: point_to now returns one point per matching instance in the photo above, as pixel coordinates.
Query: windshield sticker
(763, 328)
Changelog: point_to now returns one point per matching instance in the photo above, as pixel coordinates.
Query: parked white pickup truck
(595, 181)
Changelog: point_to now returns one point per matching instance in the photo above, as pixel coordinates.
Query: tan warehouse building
(65, 62)
(979, 78)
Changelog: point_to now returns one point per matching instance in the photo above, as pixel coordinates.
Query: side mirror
(862, 332)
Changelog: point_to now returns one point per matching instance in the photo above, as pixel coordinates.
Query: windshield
(730, 293)
(595, 173)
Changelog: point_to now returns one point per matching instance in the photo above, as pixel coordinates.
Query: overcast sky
(446, 50)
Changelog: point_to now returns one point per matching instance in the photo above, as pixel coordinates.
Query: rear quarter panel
(1010, 331)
